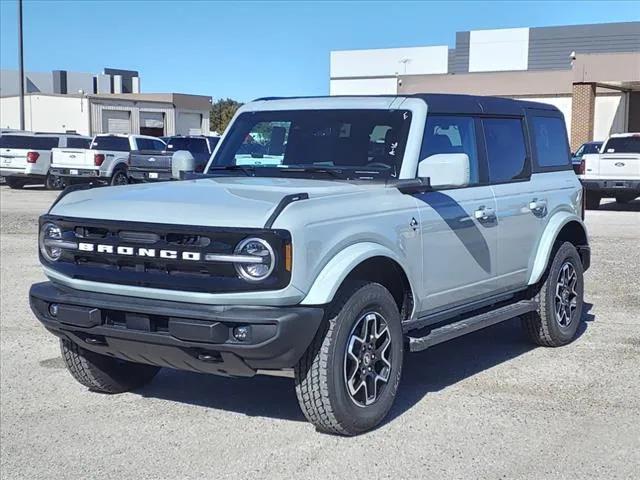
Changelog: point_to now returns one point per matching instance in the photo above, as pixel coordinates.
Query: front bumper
(611, 186)
(178, 335)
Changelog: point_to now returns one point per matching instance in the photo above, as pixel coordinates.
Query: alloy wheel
(566, 298)
(367, 362)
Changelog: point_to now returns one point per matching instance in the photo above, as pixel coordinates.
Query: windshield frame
(417, 107)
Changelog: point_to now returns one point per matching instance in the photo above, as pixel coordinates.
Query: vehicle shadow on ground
(429, 371)
(621, 207)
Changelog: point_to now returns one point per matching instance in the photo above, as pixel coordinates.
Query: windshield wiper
(333, 172)
(247, 170)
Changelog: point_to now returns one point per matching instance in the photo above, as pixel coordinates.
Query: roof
(451, 103)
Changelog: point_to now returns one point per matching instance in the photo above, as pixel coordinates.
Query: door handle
(485, 214)
(538, 207)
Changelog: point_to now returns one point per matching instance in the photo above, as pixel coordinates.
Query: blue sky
(245, 50)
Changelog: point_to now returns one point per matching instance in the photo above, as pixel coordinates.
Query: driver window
(452, 134)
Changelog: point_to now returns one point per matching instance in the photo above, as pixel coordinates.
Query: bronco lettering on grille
(138, 252)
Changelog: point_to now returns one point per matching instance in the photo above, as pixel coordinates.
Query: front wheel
(347, 380)
(560, 300)
(104, 374)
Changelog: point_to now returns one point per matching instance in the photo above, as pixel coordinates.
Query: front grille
(165, 273)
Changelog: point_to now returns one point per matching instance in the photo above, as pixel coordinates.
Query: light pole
(21, 64)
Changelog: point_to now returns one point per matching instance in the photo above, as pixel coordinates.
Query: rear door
(509, 169)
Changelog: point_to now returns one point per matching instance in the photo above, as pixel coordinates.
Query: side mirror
(182, 162)
(446, 169)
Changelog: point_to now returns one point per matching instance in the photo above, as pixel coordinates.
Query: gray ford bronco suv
(326, 238)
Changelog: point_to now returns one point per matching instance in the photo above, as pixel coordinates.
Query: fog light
(53, 309)
(241, 333)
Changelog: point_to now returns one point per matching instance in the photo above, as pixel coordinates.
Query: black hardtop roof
(455, 103)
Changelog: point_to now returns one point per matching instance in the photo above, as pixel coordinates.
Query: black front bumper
(612, 187)
(184, 336)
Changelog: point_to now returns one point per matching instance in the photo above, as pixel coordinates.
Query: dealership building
(109, 102)
(590, 72)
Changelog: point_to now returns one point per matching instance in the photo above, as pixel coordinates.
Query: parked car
(26, 156)
(104, 161)
(332, 264)
(614, 172)
(150, 166)
(585, 149)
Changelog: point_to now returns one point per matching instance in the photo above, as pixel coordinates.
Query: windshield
(591, 148)
(28, 142)
(623, 145)
(362, 144)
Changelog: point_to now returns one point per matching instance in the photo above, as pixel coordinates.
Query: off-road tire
(117, 177)
(319, 376)
(541, 325)
(592, 201)
(104, 374)
(15, 183)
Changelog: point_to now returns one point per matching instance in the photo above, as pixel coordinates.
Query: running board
(471, 324)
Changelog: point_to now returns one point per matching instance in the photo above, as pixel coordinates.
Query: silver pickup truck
(153, 166)
(377, 226)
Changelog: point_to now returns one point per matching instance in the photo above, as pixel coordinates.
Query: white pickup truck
(614, 172)
(25, 157)
(105, 160)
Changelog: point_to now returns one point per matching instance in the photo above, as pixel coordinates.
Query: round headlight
(265, 260)
(50, 231)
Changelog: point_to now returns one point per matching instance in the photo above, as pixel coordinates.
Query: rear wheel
(347, 380)
(592, 201)
(560, 298)
(119, 177)
(104, 374)
(15, 183)
(54, 182)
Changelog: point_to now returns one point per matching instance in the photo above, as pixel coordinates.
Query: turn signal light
(98, 158)
(32, 157)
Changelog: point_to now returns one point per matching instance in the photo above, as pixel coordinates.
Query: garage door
(152, 123)
(189, 124)
(116, 121)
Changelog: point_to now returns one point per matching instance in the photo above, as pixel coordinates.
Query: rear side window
(550, 142)
(78, 142)
(623, 145)
(28, 142)
(450, 134)
(116, 144)
(506, 149)
(193, 145)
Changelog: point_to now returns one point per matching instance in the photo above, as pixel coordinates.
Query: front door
(458, 225)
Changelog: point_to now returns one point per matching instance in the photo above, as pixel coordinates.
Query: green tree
(222, 111)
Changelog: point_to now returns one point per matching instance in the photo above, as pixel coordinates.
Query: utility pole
(21, 64)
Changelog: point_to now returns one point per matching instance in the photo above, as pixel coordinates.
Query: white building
(158, 114)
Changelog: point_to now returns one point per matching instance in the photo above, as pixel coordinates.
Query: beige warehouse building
(590, 72)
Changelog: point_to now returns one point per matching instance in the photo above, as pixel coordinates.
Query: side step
(471, 324)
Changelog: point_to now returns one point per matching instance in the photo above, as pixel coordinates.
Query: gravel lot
(484, 406)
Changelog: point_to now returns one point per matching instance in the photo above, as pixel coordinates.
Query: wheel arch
(364, 261)
(564, 227)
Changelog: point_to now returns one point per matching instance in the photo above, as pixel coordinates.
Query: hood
(223, 201)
